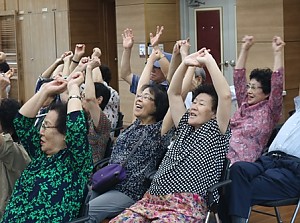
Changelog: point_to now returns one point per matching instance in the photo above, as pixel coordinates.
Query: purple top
(252, 126)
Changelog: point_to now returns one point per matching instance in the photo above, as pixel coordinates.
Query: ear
(100, 99)
(267, 96)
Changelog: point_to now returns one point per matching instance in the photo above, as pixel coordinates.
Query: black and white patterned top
(194, 161)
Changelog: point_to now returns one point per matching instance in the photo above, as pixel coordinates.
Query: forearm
(74, 103)
(176, 83)
(277, 61)
(164, 66)
(145, 77)
(33, 105)
(241, 62)
(48, 72)
(125, 69)
(89, 84)
(187, 81)
(97, 75)
(175, 62)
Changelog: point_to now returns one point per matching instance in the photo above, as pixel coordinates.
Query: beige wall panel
(11, 4)
(25, 5)
(259, 18)
(60, 5)
(128, 2)
(288, 103)
(126, 102)
(166, 15)
(62, 32)
(131, 17)
(160, 1)
(292, 20)
(292, 64)
(2, 5)
(260, 56)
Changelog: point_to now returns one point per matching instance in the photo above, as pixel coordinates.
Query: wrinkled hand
(204, 57)
(128, 38)
(154, 40)
(185, 46)
(94, 62)
(96, 52)
(56, 86)
(76, 78)
(277, 44)
(79, 50)
(248, 41)
(67, 56)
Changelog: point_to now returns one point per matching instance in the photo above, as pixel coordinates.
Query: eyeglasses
(252, 87)
(145, 97)
(44, 126)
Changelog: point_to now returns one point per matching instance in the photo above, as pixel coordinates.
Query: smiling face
(201, 110)
(52, 141)
(255, 92)
(144, 107)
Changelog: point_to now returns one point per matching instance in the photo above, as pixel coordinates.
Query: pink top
(251, 126)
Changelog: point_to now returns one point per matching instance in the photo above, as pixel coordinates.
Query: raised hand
(185, 47)
(79, 50)
(94, 62)
(96, 52)
(192, 59)
(128, 38)
(248, 41)
(56, 86)
(154, 40)
(76, 78)
(277, 44)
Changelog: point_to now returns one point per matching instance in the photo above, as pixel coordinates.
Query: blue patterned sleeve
(28, 135)
(76, 138)
(134, 83)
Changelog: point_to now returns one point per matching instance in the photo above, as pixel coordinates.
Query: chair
(280, 203)
(119, 126)
(213, 206)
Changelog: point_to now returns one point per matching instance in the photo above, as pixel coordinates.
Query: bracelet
(74, 96)
(74, 61)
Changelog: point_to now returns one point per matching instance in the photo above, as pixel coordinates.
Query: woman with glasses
(150, 106)
(259, 102)
(52, 187)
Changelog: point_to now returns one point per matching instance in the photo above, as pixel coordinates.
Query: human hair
(161, 100)
(210, 90)
(106, 73)
(102, 90)
(8, 110)
(61, 110)
(263, 76)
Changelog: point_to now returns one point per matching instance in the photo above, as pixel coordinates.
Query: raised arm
(221, 87)
(90, 94)
(78, 54)
(125, 70)
(49, 71)
(4, 82)
(175, 61)
(277, 46)
(33, 105)
(246, 45)
(74, 101)
(162, 60)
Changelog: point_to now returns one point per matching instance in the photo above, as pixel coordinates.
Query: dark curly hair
(263, 76)
(106, 73)
(8, 110)
(210, 90)
(161, 100)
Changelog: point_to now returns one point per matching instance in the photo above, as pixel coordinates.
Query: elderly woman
(260, 104)
(51, 188)
(194, 161)
(150, 107)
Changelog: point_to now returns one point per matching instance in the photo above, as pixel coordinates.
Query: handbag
(109, 176)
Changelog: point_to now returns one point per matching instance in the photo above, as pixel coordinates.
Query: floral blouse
(252, 126)
(51, 188)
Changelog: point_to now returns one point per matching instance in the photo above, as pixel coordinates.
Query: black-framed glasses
(252, 87)
(145, 97)
(44, 126)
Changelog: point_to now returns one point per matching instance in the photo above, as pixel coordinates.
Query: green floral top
(51, 188)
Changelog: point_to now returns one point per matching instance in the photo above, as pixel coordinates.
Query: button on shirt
(287, 139)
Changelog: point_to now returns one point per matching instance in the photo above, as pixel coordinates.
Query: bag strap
(134, 149)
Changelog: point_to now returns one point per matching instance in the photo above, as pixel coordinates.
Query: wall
(143, 17)
(263, 20)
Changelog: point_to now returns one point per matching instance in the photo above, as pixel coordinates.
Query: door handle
(225, 63)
